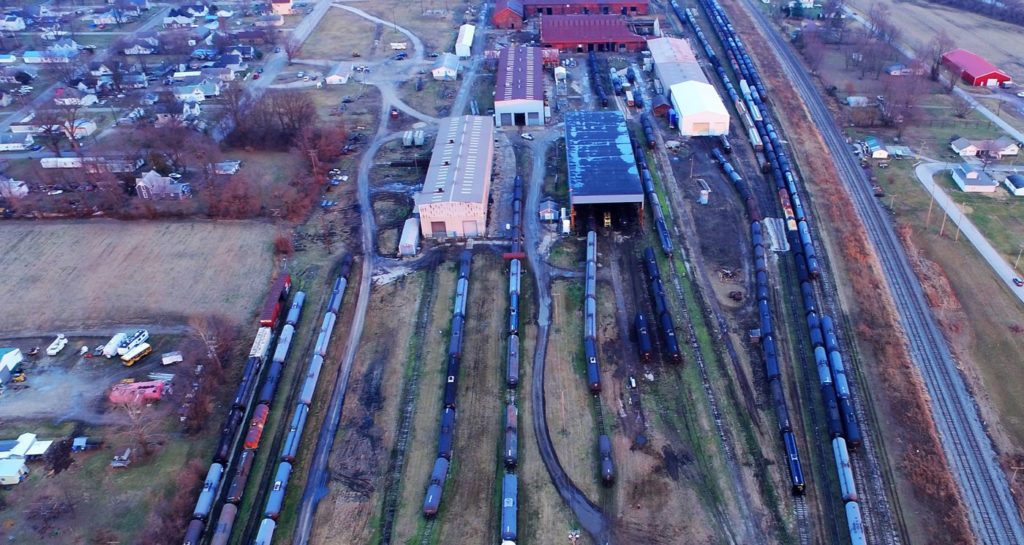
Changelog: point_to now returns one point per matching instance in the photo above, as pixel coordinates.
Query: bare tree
(961, 107)
(940, 44)
(217, 336)
(143, 428)
(812, 47)
(292, 48)
(58, 456)
(834, 13)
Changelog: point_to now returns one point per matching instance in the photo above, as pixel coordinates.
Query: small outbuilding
(446, 68)
(548, 210)
(971, 180)
(409, 243)
(1015, 185)
(340, 74)
(12, 471)
(464, 43)
(876, 150)
(9, 360)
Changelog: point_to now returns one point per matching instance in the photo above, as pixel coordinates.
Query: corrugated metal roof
(520, 74)
(586, 29)
(466, 33)
(460, 167)
(974, 65)
(674, 61)
(600, 160)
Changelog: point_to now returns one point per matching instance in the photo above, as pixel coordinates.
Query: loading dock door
(437, 229)
(520, 119)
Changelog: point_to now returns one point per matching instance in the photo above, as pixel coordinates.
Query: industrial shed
(464, 43)
(519, 87)
(453, 202)
(582, 33)
(974, 69)
(603, 178)
(700, 109)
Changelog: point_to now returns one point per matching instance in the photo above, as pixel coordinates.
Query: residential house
(8, 58)
(81, 129)
(972, 180)
(47, 57)
(197, 91)
(196, 10)
(446, 68)
(71, 96)
(15, 142)
(997, 149)
(5, 99)
(114, 16)
(167, 113)
(251, 37)
(281, 7)
(143, 46)
(340, 74)
(177, 19)
(900, 69)
(134, 80)
(151, 185)
(140, 5)
(220, 74)
(231, 62)
(876, 150)
(204, 53)
(12, 23)
(107, 68)
(26, 447)
(247, 52)
(66, 46)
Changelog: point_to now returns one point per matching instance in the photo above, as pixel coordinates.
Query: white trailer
(57, 345)
(115, 342)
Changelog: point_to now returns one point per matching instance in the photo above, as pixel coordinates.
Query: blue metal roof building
(599, 158)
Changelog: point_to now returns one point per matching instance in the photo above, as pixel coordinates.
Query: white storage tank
(409, 244)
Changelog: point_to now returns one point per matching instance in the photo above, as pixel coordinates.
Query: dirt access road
(96, 273)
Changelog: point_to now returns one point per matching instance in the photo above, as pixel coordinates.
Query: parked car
(527, 136)
(1017, 281)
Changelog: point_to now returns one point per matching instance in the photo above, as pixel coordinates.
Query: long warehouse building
(519, 87)
(453, 202)
(699, 107)
(603, 178)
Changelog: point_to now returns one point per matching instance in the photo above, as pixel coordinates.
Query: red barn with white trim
(974, 69)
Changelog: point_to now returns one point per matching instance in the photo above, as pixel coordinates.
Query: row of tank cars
(230, 470)
(604, 444)
(439, 474)
(843, 428)
(510, 452)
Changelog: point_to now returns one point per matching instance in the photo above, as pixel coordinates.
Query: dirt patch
(75, 274)
(902, 399)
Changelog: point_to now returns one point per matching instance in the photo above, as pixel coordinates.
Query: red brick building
(582, 33)
(510, 14)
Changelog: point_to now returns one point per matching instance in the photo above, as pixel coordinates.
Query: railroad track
(393, 486)
(802, 520)
(983, 486)
(428, 532)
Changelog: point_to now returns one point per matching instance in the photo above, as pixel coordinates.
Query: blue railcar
(643, 336)
(455, 340)
(276, 497)
(821, 362)
(512, 371)
(312, 375)
(651, 263)
(265, 535)
(509, 507)
(513, 314)
(779, 402)
(290, 449)
(847, 487)
(828, 328)
(604, 449)
(269, 388)
(295, 311)
(206, 496)
(807, 292)
(446, 437)
(796, 472)
(432, 499)
(833, 420)
(854, 524)
(593, 369)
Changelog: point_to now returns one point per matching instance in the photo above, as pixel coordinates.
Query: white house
(971, 180)
(12, 23)
(15, 142)
(151, 185)
(464, 43)
(81, 129)
(74, 97)
(198, 91)
(340, 74)
(12, 471)
(446, 68)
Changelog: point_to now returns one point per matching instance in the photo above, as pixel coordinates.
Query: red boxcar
(259, 419)
(272, 305)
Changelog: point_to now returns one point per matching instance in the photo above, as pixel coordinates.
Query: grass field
(1000, 43)
(437, 33)
(339, 35)
(76, 274)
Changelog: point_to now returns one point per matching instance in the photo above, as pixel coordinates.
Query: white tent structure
(700, 110)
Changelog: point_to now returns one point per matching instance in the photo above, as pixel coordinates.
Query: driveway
(926, 175)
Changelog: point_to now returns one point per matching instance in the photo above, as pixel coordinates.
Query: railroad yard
(733, 340)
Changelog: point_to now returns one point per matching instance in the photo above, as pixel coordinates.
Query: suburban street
(925, 173)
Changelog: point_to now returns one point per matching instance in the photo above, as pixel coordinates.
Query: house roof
(515, 6)
(972, 64)
(460, 166)
(972, 176)
(586, 29)
(25, 446)
(599, 155)
(520, 74)
(10, 468)
(447, 60)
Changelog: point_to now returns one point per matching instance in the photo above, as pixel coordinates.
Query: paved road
(983, 486)
(587, 513)
(926, 175)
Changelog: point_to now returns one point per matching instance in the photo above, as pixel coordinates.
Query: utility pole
(931, 204)
(1020, 251)
(942, 228)
(957, 237)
